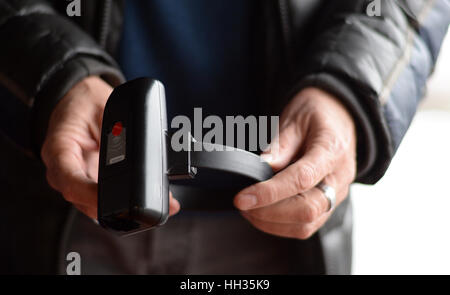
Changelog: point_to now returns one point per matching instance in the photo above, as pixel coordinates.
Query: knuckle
(311, 213)
(350, 178)
(334, 143)
(270, 195)
(332, 147)
(305, 177)
(303, 232)
(349, 174)
(328, 145)
(352, 171)
(329, 141)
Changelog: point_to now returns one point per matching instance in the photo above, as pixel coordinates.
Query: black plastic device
(137, 161)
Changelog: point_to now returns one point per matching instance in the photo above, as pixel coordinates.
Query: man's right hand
(71, 148)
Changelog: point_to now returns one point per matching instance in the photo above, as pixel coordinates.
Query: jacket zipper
(283, 8)
(104, 22)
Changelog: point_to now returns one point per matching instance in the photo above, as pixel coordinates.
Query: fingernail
(246, 202)
(267, 157)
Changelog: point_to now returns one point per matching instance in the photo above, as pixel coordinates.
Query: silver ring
(329, 193)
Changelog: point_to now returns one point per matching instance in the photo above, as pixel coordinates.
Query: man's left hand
(317, 143)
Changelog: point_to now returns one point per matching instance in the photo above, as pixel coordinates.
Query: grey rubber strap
(235, 161)
(198, 155)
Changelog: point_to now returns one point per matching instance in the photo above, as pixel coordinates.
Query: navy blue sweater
(199, 49)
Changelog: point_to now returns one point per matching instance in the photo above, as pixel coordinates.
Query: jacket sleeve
(43, 55)
(378, 66)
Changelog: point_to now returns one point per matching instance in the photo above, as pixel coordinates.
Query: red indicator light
(117, 129)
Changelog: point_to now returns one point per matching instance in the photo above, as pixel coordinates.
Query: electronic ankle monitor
(137, 160)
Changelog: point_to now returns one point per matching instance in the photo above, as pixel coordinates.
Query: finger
(284, 147)
(91, 164)
(296, 231)
(174, 208)
(304, 208)
(318, 161)
(174, 205)
(95, 127)
(65, 174)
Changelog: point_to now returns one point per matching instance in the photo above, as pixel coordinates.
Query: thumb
(284, 147)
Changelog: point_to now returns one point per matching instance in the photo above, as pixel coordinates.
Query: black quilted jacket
(377, 65)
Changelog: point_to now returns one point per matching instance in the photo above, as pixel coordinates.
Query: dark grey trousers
(38, 229)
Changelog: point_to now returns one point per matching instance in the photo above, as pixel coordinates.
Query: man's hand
(317, 141)
(71, 147)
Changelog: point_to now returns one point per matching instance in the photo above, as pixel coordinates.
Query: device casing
(133, 192)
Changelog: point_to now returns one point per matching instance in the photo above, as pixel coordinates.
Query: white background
(402, 224)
